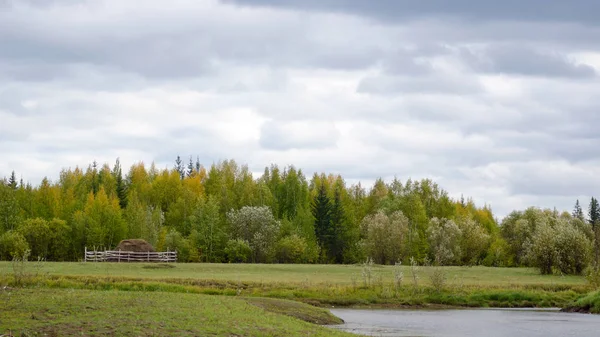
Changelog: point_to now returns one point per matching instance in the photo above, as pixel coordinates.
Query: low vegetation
(69, 312)
(587, 304)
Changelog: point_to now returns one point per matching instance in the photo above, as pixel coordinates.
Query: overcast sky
(498, 100)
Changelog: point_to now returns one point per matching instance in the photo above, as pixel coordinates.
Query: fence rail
(126, 256)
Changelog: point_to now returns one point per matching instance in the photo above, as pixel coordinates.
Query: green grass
(60, 312)
(301, 274)
(248, 296)
(589, 303)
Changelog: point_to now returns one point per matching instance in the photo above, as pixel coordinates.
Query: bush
(573, 250)
(498, 254)
(12, 244)
(238, 251)
(384, 236)
(541, 253)
(37, 234)
(291, 249)
(174, 241)
(444, 240)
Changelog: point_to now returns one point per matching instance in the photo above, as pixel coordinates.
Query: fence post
(119, 256)
(85, 255)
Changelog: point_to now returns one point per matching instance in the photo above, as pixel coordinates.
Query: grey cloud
(195, 48)
(556, 179)
(524, 60)
(393, 10)
(432, 84)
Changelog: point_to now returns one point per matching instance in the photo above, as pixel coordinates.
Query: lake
(467, 322)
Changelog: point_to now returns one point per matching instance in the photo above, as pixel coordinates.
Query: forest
(224, 214)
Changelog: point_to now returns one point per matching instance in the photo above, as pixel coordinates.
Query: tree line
(224, 214)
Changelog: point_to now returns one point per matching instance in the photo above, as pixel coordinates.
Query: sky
(496, 100)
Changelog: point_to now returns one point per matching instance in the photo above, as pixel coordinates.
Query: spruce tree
(338, 217)
(321, 211)
(594, 213)
(190, 168)
(12, 182)
(594, 218)
(578, 212)
(198, 166)
(121, 188)
(179, 167)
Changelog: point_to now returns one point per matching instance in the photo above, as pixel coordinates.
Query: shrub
(12, 245)
(384, 236)
(541, 253)
(291, 249)
(238, 251)
(444, 240)
(573, 249)
(38, 235)
(174, 241)
(498, 254)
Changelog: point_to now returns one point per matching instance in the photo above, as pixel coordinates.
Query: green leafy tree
(542, 251)
(385, 236)
(12, 244)
(573, 249)
(292, 249)
(174, 241)
(474, 241)
(238, 251)
(211, 234)
(59, 248)
(444, 240)
(37, 234)
(9, 208)
(258, 227)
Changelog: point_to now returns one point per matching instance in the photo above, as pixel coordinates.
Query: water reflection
(478, 322)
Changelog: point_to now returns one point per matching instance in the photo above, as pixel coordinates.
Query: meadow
(216, 299)
(301, 274)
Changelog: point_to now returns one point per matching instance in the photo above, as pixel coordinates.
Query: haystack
(135, 245)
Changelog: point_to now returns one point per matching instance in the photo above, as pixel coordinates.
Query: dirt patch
(159, 266)
(135, 245)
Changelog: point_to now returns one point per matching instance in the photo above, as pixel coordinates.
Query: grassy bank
(67, 312)
(587, 304)
(127, 299)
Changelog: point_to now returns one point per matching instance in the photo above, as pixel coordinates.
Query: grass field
(62, 312)
(301, 274)
(137, 294)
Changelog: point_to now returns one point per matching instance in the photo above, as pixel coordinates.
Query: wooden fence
(125, 256)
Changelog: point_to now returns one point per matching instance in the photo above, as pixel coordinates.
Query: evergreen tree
(121, 188)
(179, 167)
(578, 212)
(321, 210)
(594, 213)
(198, 166)
(190, 168)
(12, 182)
(94, 172)
(594, 218)
(337, 225)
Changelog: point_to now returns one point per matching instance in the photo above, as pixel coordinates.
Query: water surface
(476, 322)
